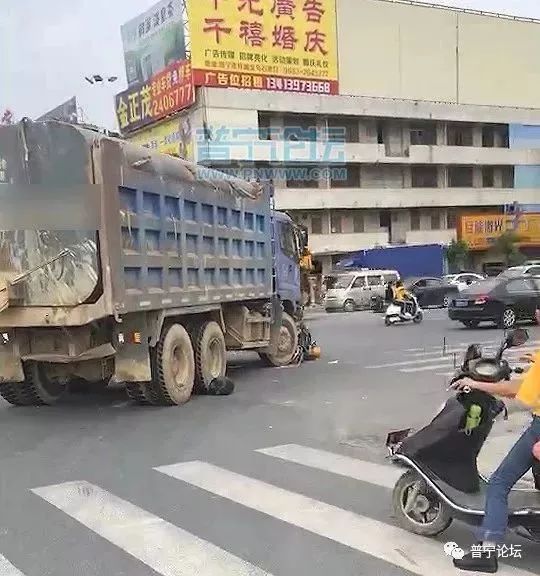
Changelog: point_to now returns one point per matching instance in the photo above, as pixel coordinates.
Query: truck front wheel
(175, 366)
(210, 355)
(287, 344)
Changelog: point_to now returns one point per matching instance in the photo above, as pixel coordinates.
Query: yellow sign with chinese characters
(480, 231)
(172, 137)
(281, 45)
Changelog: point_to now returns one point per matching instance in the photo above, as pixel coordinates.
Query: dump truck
(121, 264)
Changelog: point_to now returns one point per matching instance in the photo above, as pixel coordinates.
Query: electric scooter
(442, 481)
(411, 312)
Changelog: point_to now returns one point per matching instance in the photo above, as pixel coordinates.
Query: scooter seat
(519, 500)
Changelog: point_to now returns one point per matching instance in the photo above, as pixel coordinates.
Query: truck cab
(288, 248)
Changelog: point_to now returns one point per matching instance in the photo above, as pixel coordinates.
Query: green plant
(506, 245)
(457, 255)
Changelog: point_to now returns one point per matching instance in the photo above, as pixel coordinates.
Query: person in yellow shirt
(401, 296)
(517, 463)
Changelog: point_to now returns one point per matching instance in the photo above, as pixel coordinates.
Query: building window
(300, 128)
(424, 176)
(460, 135)
(342, 130)
(415, 219)
(435, 220)
(264, 126)
(345, 177)
(380, 132)
(488, 136)
(460, 177)
(316, 224)
(507, 176)
(488, 177)
(385, 219)
(358, 222)
(451, 219)
(335, 224)
(302, 176)
(424, 135)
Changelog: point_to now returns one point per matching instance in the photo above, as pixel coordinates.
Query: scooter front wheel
(417, 509)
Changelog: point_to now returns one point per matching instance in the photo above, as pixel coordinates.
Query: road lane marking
(511, 354)
(370, 472)
(410, 363)
(385, 542)
(7, 568)
(165, 548)
(427, 368)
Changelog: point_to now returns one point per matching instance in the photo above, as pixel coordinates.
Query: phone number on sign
(295, 85)
(172, 100)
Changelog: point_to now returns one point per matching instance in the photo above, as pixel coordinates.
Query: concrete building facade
(438, 115)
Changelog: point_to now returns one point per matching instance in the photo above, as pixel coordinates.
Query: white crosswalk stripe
(377, 474)
(167, 549)
(438, 358)
(172, 551)
(383, 541)
(7, 568)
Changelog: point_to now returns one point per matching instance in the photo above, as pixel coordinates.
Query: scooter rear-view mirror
(516, 338)
(473, 353)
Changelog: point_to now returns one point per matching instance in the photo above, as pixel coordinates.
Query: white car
(463, 280)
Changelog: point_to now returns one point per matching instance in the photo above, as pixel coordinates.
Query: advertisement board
(480, 231)
(172, 137)
(153, 40)
(65, 112)
(166, 93)
(282, 45)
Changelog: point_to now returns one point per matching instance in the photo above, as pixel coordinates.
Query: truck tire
(45, 392)
(16, 393)
(287, 345)
(175, 367)
(136, 392)
(210, 355)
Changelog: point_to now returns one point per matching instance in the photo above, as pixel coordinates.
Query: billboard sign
(65, 112)
(279, 45)
(480, 231)
(172, 137)
(166, 93)
(153, 40)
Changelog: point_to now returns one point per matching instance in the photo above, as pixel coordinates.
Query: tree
(506, 246)
(457, 254)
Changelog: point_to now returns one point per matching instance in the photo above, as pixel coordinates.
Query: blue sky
(48, 47)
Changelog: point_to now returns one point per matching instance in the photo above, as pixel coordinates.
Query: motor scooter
(410, 313)
(442, 482)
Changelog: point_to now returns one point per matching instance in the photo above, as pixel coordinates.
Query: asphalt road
(286, 476)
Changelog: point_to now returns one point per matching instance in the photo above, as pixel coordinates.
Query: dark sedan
(431, 291)
(504, 301)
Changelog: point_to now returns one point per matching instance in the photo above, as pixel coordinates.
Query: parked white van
(353, 290)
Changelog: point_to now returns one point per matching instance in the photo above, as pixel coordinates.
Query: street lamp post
(100, 80)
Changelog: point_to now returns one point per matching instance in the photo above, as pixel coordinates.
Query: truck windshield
(57, 268)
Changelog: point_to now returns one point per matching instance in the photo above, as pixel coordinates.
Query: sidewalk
(503, 436)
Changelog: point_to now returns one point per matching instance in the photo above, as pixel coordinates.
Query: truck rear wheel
(16, 393)
(44, 390)
(210, 355)
(175, 367)
(287, 344)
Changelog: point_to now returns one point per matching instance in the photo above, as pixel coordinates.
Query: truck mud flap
(131, 341)
(11, 367)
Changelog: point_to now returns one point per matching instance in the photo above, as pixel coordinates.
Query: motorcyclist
(520, 459)
(401, 296)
